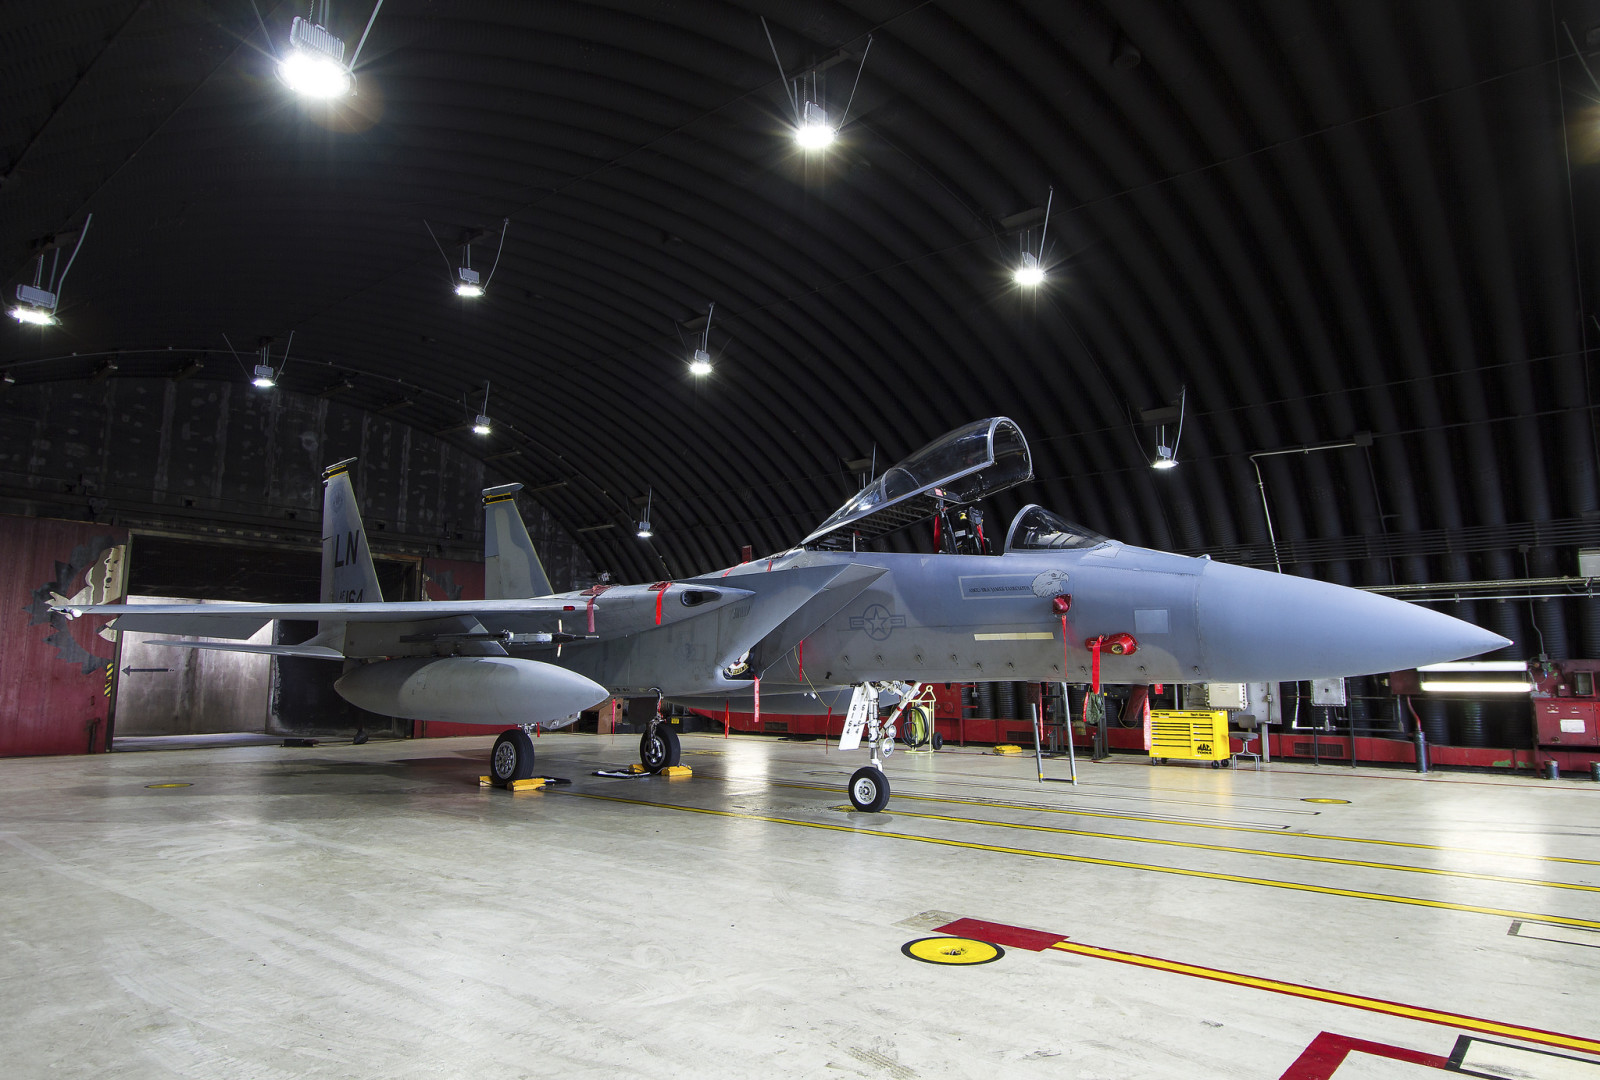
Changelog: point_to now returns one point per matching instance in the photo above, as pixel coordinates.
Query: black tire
(869, 789)
(938, 741)
(512, 757)
(916, 723)
(660, 749)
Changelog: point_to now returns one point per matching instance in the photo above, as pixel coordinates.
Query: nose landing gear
(869, 787)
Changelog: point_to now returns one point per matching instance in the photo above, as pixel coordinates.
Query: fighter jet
(825, 624)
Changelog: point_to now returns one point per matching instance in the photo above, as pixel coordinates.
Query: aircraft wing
(850, 582)
(618, 611)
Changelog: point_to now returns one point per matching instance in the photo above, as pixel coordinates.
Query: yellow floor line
(1325, 890)
(1412, 845)
(1334, 997)
(1406, 868)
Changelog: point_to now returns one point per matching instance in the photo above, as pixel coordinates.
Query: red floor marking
(1012, 937)
(1327, 1052)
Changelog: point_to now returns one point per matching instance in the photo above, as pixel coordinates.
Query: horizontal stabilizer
(196, 620)
(315, 652)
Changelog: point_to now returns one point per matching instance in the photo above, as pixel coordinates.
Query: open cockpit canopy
(963, 466)
(1037, 529)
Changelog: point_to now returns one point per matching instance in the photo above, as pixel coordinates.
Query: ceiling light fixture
(1030, 268)
(36, 304)
(263, 376)
(1167, 456)
(466, 281)
(33, 310)
(814, 132)
(642, 526)
(314, 65)
(812, 128)
(700, 362)
(1028, 272)
(481, 425)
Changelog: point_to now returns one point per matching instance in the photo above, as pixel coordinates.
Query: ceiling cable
(235, 352)
(504, 225)
(55, 286)
(1579, 54)
(1049, 201)
(447, 267)
(794, 101)
(857, 83)
(362, 43)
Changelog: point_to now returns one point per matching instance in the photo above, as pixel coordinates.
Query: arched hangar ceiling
(1322, 219)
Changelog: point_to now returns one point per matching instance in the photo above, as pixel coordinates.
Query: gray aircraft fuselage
(969, 618)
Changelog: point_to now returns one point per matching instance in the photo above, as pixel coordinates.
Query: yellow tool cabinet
(1189, 736)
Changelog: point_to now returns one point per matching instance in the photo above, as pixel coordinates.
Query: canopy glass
(960, 467)
(1037, 529)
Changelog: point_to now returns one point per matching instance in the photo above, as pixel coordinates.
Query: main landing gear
(659, 747)
(512, 757)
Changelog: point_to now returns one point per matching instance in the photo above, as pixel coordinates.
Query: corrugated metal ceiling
(1320, 218)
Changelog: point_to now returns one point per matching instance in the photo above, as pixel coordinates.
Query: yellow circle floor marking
(1340, 802)
(168, 785)
(952, 950)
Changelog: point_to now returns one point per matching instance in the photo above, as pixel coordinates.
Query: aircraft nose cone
(1259, 626)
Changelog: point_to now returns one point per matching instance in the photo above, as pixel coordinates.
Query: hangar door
(162, 690)
(167, 691)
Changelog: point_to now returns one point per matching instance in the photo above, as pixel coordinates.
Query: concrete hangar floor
(371, 911)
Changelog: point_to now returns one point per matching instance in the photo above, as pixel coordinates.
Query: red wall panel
(54, 673)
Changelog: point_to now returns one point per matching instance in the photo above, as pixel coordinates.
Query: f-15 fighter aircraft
(824, 624)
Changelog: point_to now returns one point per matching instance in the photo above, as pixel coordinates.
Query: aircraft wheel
(660, 749)
(869, 789)
(512, 757)
(938, 741)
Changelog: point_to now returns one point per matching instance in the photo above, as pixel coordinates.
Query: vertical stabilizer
(347, 574)
(511, 568)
